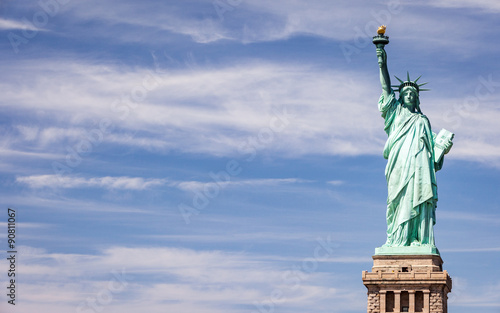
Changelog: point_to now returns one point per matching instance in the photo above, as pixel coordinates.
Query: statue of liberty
(414, 154)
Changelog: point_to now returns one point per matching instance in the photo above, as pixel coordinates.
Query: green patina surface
(412, 162)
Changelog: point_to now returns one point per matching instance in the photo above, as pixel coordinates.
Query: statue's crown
(409, 83)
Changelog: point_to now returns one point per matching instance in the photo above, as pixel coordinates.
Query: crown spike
(410, 83)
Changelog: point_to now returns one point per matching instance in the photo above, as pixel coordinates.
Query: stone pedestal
(407, 283)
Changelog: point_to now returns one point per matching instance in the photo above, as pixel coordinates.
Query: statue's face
(410, 99)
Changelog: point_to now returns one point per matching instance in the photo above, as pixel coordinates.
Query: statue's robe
(410, 173)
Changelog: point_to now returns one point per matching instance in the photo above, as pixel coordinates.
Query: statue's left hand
(448, 147)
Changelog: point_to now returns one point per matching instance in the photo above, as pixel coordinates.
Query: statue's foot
(415, 244)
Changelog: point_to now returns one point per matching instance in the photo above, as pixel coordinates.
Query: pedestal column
(383, 301)
(397, 301)
(427, 301)
(411, 297)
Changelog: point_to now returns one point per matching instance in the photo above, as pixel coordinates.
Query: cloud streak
(140, 183)
(211, 111)
(205, 280)
(55, 181)
(197, 185)
(487, 6)
(218, 111)
(6, 24)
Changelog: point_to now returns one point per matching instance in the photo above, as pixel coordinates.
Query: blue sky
(226, 156)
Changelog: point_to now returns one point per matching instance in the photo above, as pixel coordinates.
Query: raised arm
(385, 79)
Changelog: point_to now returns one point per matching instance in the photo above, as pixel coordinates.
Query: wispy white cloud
(486, 5)
(228, 111)
(335, 182)
(214, 111)
(467, 294)
(472, 217)
(472, 250)
(261, 21)
(53, 201)
(199, 21)
(27, 225)
(172, 278)
(6, 24)
(123, 182)
(18, 153)
(197, 185)
(241, 237)
(28, 133)
(139, 183)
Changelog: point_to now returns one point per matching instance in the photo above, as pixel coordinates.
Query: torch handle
(380, 58)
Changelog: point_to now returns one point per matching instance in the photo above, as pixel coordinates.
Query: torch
(380, 40)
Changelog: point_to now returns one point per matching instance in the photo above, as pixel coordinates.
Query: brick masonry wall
(373, 303)
(436, 302)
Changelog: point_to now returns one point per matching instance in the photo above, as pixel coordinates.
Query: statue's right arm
(385, 79)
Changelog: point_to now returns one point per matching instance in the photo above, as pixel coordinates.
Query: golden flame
(381, 30)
